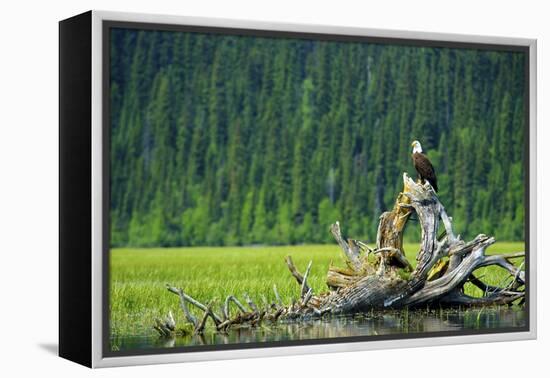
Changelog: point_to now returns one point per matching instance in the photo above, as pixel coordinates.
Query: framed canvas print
(236, 189)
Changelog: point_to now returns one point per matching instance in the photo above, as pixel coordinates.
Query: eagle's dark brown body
(425, 169)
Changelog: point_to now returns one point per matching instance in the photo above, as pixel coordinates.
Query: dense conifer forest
(229, 140)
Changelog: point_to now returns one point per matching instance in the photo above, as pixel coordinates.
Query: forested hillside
(224, 140)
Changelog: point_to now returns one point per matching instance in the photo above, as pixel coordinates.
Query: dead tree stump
(381, 277)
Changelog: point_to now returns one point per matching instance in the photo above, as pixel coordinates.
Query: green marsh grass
(138, 277)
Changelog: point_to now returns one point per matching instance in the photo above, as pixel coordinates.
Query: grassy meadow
(138, 277)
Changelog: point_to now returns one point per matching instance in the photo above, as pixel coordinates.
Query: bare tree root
(380, 277)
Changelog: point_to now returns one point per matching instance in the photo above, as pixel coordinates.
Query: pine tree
(238, 139)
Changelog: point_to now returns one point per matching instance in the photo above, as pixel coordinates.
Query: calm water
(361, 325)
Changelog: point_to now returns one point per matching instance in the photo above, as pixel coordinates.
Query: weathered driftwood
(381, 277)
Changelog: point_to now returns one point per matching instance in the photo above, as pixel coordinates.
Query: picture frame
(85, 184)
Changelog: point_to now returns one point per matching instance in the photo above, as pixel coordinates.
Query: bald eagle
(423, 165)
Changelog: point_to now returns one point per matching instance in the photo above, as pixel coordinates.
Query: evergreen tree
(226, 140)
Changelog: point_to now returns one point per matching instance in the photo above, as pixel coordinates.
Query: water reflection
(385, 323)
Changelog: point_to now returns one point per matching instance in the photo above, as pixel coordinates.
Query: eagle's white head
(416, 147)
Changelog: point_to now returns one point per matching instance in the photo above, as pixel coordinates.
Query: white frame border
(97, 254)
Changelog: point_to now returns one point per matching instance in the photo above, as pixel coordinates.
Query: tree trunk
(382, 277)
